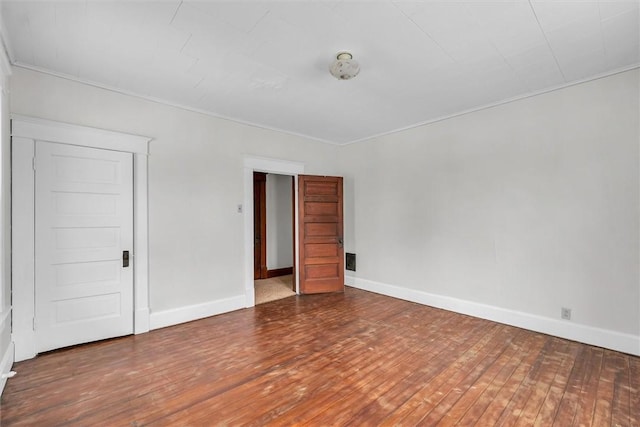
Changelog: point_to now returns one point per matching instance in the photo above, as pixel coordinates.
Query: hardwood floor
(339, 359)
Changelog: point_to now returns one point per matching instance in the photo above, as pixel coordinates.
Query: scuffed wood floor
(341, 359)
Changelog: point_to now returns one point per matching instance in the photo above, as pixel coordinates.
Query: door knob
(340, 242)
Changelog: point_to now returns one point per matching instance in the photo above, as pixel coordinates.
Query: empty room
(320, 213)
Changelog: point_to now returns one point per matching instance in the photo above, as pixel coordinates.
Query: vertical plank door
(321, 251)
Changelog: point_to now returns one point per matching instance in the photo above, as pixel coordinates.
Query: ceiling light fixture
(344, 67)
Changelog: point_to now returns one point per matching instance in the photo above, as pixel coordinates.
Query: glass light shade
(344, 67)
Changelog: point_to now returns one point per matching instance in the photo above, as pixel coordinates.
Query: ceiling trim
(4, 39)
(5, 62)
(498, 103)
(165, 102)
(260, 126)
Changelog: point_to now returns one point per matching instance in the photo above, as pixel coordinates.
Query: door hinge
(33, 163)
(34, 323)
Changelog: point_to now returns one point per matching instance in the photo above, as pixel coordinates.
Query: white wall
(195, 181)
(279, 222)
(510, 212)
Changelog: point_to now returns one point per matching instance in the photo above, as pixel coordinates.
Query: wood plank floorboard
(567, 408)
(354, 358)
(589, 392)
(504, 400)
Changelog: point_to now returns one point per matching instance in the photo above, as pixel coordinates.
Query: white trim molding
(175, 316)
(311, 137)
(23, 247)
(497, 103)
(25, 132)
(5, 365)
(613, 340)
(65, 133)
(6, 354)
(263, 164)
(5, 63)
(140, 244)
(162, 101)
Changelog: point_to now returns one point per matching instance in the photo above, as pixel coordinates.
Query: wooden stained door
(259, 226)
(321, 251)
(84, 235)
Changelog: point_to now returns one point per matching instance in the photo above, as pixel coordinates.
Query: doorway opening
(273, 233)
(277, 166)
(318, 225)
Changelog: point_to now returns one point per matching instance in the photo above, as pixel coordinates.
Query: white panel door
(84, 222)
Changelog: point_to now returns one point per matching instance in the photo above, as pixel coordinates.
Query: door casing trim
(268, 165)
(25, 131)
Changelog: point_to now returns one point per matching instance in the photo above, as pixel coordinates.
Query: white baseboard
(175, 316)
(5, 365)
(613, 340)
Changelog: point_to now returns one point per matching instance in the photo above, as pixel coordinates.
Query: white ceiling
(266, 62)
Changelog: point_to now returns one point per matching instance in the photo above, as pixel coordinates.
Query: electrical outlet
(565, 313)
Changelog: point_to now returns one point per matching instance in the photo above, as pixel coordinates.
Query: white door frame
(263, 164)
(25, 131)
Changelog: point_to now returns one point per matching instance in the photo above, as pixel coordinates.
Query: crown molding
(309, 137)
(166, 102)
(498, 103)
(5, 48)
(5, 63)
